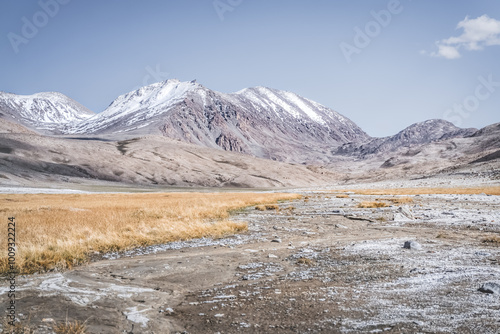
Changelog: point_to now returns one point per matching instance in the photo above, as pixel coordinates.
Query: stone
(276, 240)
(482, 254)
(490, 287)
(412, 245)
(406, 212)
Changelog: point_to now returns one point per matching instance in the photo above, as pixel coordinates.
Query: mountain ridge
(45, 111)
(258, 121)
(416, 134)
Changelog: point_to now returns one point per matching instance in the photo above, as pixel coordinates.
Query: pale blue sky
(95, 50)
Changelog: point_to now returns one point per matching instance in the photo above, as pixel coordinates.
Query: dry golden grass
(368, 204)
(75, 327)
(399, 200)
(495, 190)
(18, 328)
(61, 231)
(492, 239)
(272, 207)
(264, 207)
(306, 261)
(342, 196)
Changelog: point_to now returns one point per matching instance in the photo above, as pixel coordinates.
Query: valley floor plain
(316, 262)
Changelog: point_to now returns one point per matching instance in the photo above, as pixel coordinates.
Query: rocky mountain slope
(13, 127)
(465, 156)
(259, 121)
(34, 160)
(414, 135)
(28, 159)
(44, 112)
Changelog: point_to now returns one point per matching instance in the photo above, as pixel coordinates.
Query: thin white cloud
(447, 51)
(477, 34)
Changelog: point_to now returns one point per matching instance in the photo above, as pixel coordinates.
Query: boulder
(490, 287)
(412, 245)
(406, 212)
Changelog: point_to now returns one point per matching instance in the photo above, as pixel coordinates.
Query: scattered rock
(276, 240)
(340, 226)
(388, 216)
(399, 217)
(482, 254)
(412, 245)
(405, 212)
(48, 320)
(490, 287)
(272, 256)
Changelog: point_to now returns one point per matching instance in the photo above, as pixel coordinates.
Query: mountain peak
(431, 130)
(416, 134)
(152, 95)
(260, 121)
(42, 111)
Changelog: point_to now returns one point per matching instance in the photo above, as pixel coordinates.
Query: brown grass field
(264, 207)
(492, 239)
(397, 200)
(368, 204)
(495, 190)
(61, 231)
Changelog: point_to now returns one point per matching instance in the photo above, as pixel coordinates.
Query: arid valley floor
(320, 263)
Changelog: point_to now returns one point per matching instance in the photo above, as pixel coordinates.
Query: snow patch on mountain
(279, 101)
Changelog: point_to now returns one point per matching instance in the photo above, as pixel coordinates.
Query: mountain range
(257, 122)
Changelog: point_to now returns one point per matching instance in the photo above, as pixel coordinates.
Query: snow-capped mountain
(416, 134)
(42, 111)
(136, 109)
(259, 121)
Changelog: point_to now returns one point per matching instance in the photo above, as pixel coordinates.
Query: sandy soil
(323, 266)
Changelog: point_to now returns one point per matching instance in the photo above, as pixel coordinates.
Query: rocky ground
(319, 264)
